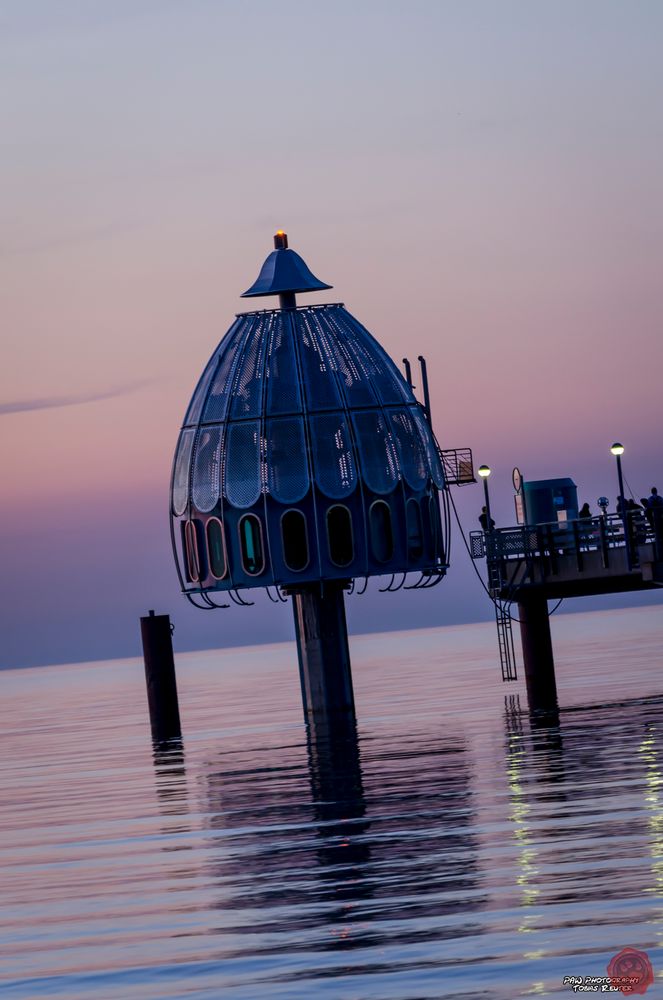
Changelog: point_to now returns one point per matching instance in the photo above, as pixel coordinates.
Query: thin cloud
(57, 402)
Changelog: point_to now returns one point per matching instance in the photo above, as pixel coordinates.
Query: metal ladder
(505, 641)
(494, 576)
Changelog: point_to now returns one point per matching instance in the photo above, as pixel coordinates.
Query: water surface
(454, 849)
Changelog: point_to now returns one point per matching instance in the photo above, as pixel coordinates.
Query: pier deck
(532, 564)
(572, 559)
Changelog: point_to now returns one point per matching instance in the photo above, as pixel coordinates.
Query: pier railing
(570, 538)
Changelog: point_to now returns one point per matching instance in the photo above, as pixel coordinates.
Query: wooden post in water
(160, 677)
(538, 653)
(323, 652)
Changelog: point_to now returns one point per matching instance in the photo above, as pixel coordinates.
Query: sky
(478, 180)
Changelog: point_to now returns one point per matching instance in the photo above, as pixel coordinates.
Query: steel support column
(324, 656)
(538, 654)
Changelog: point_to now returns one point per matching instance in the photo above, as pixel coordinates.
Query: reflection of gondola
(339, 808)
(298, 828)
(348, 853)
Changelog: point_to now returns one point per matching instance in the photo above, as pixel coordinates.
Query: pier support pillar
(324, 655)
(160, 677)
(538, 654)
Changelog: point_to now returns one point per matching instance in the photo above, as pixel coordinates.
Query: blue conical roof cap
(283, 271)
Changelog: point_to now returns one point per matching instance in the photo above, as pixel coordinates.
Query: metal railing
(570, 538)
(458, 466)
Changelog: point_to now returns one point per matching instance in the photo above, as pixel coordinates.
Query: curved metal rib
(213, 604)
(234, 596)
(201, 607)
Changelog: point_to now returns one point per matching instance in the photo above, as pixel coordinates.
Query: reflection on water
(587, 852)
(332, 854)
(170, 777)
(453, 847)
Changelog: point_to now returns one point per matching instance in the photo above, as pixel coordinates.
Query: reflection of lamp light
(617, 450)
(484, 471)
(652, 802)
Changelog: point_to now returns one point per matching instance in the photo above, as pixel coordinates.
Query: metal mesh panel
(255, 374)
(477, 548)
(207, 468)
(377, 451)
(283, 394)
(358, 388)
(219, 393)
(242, 464)
(247, 383)
(318, 365)
(373, 362)
(181, 474)
(288, 479)
(410, 447)
(434, 463)
(200, 394)
(335, 471)
(515, 542)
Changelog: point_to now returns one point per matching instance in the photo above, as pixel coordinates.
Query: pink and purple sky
(480, 181)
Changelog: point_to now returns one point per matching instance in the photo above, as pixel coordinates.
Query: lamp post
(617, 450)
(484, 471)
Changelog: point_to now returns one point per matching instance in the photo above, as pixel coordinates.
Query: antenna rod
(408, 372)
(424, 382)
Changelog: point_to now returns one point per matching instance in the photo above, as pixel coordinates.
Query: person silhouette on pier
(585, 514)
(655, 502)
(483, 520)
(655, 518)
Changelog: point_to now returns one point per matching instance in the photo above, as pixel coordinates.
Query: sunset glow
(480, 184)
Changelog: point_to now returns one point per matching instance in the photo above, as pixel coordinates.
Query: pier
(529, 565)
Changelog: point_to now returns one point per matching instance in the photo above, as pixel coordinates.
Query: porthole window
(339, 535)
(381, 534)
(415, 534)
(191, 552)
(216, 548)
(294, 537)
(251, 545)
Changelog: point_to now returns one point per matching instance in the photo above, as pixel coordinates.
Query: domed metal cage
(304, 455)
